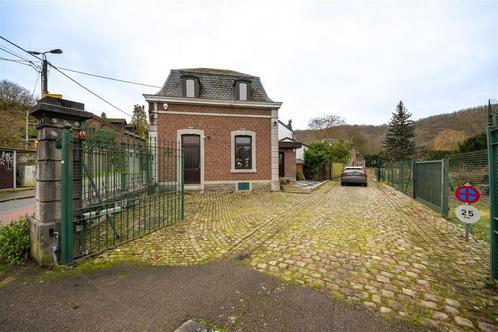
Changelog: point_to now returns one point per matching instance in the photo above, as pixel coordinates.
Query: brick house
(117, 125)
(287, 149)
(226, 124)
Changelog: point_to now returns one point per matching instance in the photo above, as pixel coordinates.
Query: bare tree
(326, 121)
(15, 101)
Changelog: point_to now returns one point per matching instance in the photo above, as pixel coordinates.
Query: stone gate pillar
(51, 114)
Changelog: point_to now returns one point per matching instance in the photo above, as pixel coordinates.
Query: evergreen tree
(397, 143)
(139, 121)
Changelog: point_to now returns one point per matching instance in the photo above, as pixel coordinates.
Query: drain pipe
(55, 249)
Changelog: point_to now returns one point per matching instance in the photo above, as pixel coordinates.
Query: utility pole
(44, 76)
(44, 71)
(44, 81)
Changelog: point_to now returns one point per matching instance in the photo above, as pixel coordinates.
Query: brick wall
(217, 140)
(289, 163)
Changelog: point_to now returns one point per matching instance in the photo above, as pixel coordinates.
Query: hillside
(438, 132)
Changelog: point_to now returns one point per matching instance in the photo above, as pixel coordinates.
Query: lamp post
(44, 81)
(44, 72)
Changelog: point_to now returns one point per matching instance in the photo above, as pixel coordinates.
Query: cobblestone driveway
(372, 246)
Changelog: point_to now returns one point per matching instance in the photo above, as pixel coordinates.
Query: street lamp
(44, 73)
(44, 81)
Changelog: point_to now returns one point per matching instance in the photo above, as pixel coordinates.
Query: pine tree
(397, 143)
(139, 121)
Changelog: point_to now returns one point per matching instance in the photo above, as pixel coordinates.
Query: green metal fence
(425, 181)
(115, 191)
(400, 176)
(472, 168)
(493, 187)
(431, 184)
(434, 182)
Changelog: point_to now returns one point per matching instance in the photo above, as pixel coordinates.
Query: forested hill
(438, 132)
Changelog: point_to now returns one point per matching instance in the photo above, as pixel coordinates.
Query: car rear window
(355, 170)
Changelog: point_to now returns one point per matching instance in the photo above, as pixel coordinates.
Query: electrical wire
(20, 57)
(67, 76)
(87, 89)
(36, 84)
(15, 61)
(109, 78)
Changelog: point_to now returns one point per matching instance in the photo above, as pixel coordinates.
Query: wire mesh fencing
(472, 168)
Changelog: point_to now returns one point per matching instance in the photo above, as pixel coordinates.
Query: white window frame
(252, 134)
(243, 86)
(189, 82)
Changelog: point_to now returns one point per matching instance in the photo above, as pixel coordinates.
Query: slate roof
(214, 84)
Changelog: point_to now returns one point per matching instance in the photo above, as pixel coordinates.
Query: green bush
(15, 242)
(317, 153)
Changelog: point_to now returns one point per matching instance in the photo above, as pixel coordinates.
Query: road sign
(467, 194)
(467, 214)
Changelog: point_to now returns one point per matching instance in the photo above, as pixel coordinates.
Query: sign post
(466, 213)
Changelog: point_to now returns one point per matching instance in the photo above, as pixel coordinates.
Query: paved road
(15, 209)
(146, 298)
(372, 246)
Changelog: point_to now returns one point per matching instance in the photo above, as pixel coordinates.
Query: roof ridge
(215, 71)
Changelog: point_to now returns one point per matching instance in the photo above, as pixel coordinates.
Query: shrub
(15, 242)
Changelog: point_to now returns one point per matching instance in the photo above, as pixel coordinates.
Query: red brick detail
(289, 163)
(217, 140)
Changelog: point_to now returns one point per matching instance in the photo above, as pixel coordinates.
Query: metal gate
(115, 191)
(493, 188)
(426, 181)
(431, 184)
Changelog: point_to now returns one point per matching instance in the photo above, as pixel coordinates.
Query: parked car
(354, 175)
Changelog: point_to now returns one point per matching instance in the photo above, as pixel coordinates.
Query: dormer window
(190, 87)
(242, 89)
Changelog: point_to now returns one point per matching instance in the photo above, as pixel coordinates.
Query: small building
(226, 124)
(357, 158)
(118, 126)
(287, 153)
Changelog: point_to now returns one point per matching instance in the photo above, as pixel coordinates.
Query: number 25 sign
(467, 214)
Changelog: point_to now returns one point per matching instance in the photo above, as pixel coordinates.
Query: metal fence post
(182, 185)
(122, 165)
(67, 196)
(414, 167)
(493, 220)
(401, 176)
(445, 188)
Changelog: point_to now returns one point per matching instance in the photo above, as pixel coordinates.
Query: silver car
(354, 175)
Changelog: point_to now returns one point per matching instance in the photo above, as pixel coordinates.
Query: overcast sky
(356, 59)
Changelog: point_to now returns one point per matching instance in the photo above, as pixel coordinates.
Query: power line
(36, 84)
(16, 61)
(109, 78)
(18, 56)
(69, 77)
(87, 89)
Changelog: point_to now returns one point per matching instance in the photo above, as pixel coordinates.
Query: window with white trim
(189, 88)
(243, 152)
(242, 91)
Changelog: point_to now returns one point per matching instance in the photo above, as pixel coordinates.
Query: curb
(2, 200)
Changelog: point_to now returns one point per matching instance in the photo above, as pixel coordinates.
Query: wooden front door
(281, 164)
(192, 158)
